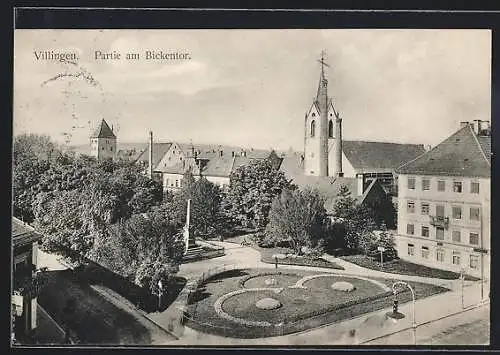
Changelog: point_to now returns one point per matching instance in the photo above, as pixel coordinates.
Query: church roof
(375, 157)
(103, 131)
(464, 153)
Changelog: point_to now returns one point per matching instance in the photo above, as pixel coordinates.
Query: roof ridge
(428, 152)
(479, 146)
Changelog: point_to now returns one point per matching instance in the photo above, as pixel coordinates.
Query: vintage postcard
(251, 187)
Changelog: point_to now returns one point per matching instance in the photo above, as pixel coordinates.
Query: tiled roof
(103, 131)
(209, 151)
(159, 151)
(461, 154)
(378, 156)
(219, 166)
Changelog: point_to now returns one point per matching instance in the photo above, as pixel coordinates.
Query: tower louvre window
(313, 128)
(330, 128)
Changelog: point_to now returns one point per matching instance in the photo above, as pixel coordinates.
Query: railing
(440, 221)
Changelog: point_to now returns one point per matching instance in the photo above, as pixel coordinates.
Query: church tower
(322, 151)
(103, 142)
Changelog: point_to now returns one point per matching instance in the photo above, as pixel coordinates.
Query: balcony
(440, 221)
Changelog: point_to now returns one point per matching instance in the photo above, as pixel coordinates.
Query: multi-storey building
(444, 203)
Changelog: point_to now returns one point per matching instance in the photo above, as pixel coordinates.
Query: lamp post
(160, 292)
(397, 315)
(462, 277)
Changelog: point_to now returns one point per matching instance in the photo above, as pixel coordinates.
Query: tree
(298, 217)
(385, 240)
(351, 219)
(252, 190)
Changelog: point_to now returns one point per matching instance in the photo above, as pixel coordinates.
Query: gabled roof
(103, 131)
(462, 154)
(159, 151)
(375, 157)
(219, 166)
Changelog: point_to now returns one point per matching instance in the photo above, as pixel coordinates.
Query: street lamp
(395, 314)
(160, 292)
(462, 277)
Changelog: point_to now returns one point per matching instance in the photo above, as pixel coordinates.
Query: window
(440, 233)
(330, 129)
(411, 249)
(313, 128)
(111, 148)
(457, 212)
(474, 261)
(440, 255)
(456, 258)
(411, 183)
(411, 207)
(425, 231)
(474, 238)
(424, 252)
(440, 210)
(456, 236)
(441, 185)
(426, 184)
(410, 229)
(424, 208)
(474, 214)
(474, 187)
(176, 183)
(457, 186)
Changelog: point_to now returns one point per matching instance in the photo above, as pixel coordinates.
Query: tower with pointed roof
(103, 142)
(322, 127)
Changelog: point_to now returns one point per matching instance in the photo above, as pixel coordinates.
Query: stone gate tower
(103, 142)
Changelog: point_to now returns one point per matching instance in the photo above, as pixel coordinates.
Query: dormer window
(313, 114)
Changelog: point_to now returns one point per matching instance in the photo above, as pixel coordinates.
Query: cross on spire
(323, 63)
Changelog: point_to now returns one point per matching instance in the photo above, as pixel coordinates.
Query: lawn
(403, 267)
(301, 308)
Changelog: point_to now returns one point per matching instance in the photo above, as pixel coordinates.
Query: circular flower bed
(343, 286)
(268, 303)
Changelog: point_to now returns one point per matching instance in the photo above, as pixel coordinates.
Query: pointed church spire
(322, 96)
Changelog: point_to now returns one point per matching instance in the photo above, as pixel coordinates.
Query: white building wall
(465, 225)
(102, 148)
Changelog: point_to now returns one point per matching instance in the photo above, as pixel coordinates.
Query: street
(95, 319)
(471, 327)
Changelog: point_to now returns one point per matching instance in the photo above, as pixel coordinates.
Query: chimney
(484, 128)
(477, 126)
(150, 171)
(232, 154)
(360, 184)
(111, 128)
(464, 124)
(338, 147)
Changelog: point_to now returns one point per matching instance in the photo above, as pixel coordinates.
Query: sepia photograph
(251, 187)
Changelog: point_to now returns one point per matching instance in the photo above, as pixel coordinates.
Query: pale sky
(252, 87)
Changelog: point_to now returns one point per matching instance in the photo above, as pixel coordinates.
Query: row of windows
(456, 210)
(456, 235)
(441, 185)
(102, 148)
(440, 256)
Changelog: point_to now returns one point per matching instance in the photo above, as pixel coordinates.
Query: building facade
(24, 302)
(444, 204)
(103, 142)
